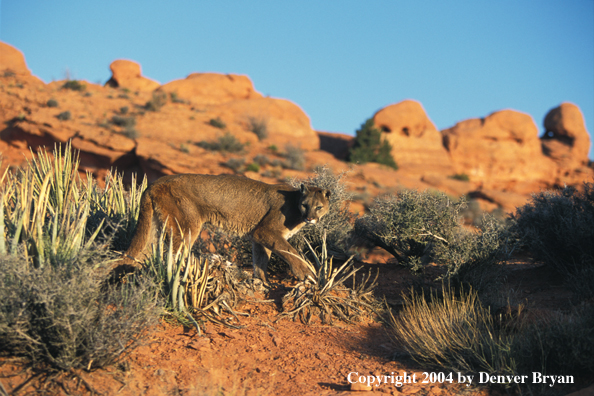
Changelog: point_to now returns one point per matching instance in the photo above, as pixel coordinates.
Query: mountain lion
(269, 214)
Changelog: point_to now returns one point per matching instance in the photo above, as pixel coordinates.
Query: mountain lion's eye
(319, 208)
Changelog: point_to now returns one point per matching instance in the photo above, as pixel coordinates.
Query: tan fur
(269, 214)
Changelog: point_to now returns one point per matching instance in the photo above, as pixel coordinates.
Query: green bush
(369, 146)
(556, 227)
(460, 176)
(52, 103)
(74, 85)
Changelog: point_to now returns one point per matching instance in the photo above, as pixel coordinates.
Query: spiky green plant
(326, 295)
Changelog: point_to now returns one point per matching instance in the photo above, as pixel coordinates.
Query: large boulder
(127, 74)
(12, 61)
(286, 123)
(502, 147)
(416, 143)
(12, 64)
(566, 139)
(212, 88)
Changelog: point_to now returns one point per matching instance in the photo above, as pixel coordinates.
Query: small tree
(369, 146)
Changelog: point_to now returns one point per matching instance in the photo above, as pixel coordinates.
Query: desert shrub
(294, 157)
(74, 85)
(8, 73)
(556, 227)
(158, 100)
(124, 110)
(336, 225)
(418, 228)
(175, 99)
(52, 103)
(184, 148)
(226, 143)
(262, 160)
(64, 116)
(124, 122)
(460, 176)
(217, 123)
(62, 314)
(259, 126)
(237, 164)
(369, 146)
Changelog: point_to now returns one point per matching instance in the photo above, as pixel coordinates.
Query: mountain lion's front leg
(260, 258)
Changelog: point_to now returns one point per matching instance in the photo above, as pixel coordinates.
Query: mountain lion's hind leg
(260, 258)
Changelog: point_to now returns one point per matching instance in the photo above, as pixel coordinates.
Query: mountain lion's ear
(327, 194)
(304, 189)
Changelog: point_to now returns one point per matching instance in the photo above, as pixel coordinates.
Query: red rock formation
(416, 143)
(212, 88)
(12, 63)
(501, 148)
(127, 74)
(566, 139)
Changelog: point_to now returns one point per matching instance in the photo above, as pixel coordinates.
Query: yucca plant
(44, 211)
(326, 295)
(191, 286)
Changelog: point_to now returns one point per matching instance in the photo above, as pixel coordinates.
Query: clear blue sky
(339, 60)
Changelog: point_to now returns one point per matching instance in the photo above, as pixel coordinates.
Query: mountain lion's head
(313, 203)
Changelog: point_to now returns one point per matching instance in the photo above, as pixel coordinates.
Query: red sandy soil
(269, 357)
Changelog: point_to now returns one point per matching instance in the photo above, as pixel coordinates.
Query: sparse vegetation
(237, 164)
(252, 167)
(259, 126)
(52, 103)
(294, 157)
(460, 176)
(226, 143)
(124, 122)
(64, 116)
(158, 100)
(175, 99)
(369, 146)
(74, 85)
(217, 123)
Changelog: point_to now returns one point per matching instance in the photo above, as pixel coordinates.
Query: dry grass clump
(327, 297)
(454, 331)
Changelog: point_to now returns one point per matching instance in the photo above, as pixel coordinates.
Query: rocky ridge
(135, 124)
